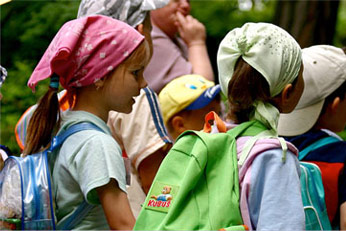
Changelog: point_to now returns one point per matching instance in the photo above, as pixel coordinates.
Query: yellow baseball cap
(190, 92)
(4, 1)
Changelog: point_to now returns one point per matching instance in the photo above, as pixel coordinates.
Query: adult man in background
(175, 55)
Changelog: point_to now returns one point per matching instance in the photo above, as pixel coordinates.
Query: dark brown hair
(246, 86)
(45, 119)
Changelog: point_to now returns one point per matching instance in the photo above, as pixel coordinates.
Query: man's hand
(191, 30)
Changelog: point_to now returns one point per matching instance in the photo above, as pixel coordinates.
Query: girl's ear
(140, 28)
(177, 123)
(335, 104)
(286, 93)
(100, 83)
(282, 101)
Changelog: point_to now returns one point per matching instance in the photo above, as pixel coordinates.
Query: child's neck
(325, 123)
(103, 116)
(90, 103)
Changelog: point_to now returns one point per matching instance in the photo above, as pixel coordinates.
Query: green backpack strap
(256, 130)
(319, 143)
(249, 128)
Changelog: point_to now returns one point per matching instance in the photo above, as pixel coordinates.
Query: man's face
(166, 18)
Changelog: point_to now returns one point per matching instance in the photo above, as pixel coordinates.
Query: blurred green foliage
(221, 16)
(340, 35)
(27, 27)
(343, 134)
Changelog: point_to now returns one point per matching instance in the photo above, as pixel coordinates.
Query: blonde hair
(141, 51)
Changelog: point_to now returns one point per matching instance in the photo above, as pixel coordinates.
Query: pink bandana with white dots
(85, 50)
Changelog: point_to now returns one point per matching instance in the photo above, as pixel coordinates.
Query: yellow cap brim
(4, 1)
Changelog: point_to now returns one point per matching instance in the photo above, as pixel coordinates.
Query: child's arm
(343, 216)
(148, 168)
(194, 35)
(116, 206)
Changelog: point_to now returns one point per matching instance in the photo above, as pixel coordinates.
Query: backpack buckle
(54, 143)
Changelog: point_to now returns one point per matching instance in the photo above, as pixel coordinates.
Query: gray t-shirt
(169, 60)
(87, 160)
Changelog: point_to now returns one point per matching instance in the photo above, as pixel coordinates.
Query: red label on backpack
(155, 203)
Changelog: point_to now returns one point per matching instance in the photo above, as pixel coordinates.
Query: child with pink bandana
(100, 62)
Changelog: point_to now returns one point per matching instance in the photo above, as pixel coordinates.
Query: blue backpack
(26, 200)
(316, 216)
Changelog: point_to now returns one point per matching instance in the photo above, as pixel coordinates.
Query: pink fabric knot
(85, 50)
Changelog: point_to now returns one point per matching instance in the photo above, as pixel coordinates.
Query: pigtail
(45, 119)
(2, 163)
(246, 86)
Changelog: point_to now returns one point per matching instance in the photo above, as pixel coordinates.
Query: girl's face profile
(125, 83)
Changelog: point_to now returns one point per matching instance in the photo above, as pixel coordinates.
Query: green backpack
(197, 185)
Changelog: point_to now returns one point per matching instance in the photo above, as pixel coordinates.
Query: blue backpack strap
(319, 143)
(76, 217)
(84, 208)
(57, 141)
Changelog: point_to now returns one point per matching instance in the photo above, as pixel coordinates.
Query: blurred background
(27, 27)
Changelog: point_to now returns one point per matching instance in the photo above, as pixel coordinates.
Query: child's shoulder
(70, 118)
(88, 146)
(262, 145)
(98, 138)
(267, 152)
(94, 139)
(333, 153)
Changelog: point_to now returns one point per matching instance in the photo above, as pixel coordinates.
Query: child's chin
(128, 110)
